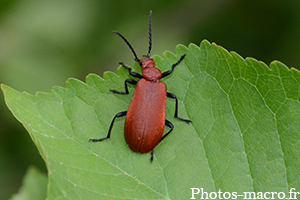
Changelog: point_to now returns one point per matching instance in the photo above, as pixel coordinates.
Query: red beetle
(145, 117)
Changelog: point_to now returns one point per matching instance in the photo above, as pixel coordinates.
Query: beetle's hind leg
(120, 114)
(152, 154)
(171, 126)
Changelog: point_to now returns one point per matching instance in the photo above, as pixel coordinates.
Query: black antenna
(119, 34)
(150, 34)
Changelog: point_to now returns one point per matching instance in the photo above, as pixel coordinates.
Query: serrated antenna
(150, 34)
(123, 38)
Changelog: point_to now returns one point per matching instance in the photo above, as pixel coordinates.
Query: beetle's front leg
(167, 73)
(133, 82)
(134, 74)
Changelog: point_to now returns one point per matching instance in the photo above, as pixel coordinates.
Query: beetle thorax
(150, 72)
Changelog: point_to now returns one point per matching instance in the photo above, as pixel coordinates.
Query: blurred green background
(43, 43)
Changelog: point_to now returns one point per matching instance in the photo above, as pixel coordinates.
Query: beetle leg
(152, 154)
(171, 126)
(167, 73)
(120, 114)
(134, 74)
(133, 82)
(173, 96)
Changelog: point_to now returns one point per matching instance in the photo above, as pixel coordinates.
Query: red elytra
(145, 117)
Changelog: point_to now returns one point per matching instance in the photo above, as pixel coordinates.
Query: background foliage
(44, 43)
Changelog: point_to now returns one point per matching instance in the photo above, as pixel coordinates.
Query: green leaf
(244, 136)
(34, 186)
